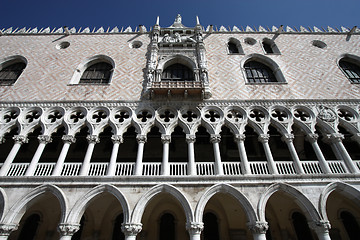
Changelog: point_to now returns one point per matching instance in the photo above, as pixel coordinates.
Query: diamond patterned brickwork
(310, 72)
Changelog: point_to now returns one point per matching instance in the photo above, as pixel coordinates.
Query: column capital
(141, 138)
(20, 139)
(334, 137)
(69, 139)
(131, 229)
(312, 137)
(195, 228)
(258, 227)
(7, 228)
(68, 229)
(190, 138)
(165, 138)
(263, 138)
(320, 226)
(215, 138)
(288, 137)
(93, 139)
(45, 139)
(117, 139)
(239, 137)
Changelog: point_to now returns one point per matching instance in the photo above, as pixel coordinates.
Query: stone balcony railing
(180, 169)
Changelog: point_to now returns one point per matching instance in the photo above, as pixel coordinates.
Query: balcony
(180, 169)
(177, 89)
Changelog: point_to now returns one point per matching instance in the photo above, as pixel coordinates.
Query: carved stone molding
(20, 139)
(131, 229)
(68, 229)
(312, 137)
(195, 228)
(320, 226)
(45, 139)
(68, 139)
(326, 114)
(215, 138)
(165, 138)
(93, 139)
(6, 229)
(239, 137)
(258, 227)
(289, 137)
(141, 138)
(264, 138)
(190, 138)
(117, 139)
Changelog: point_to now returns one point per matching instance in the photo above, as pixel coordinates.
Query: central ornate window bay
(176, 64)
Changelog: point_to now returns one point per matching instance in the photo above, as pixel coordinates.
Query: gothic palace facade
(180, 133)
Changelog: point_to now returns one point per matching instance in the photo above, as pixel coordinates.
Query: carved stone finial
(197, 20)
(195, 228)
(93, 139)
(258, 227)
(157, 21)
(178, 19)
(131, 229)
(68, 229)
(6, 229)
(20, 139)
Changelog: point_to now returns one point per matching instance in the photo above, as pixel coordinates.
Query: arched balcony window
(10, 73)
(257, 72)
(351, 70)
(98, 73)
(177, 72)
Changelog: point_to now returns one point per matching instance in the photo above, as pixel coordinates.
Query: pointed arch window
(351, 70)
(270, 47)
(10, 73)
(177, 72)
(257, 72)
(98, 73)
(234, 46)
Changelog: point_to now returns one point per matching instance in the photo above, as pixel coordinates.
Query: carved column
(43, 140)
(67, 139)
(258, 230)
(19, 140)
(195, 229)
(245, 166)
(6, 230)
(92, 140)
(288, 139)
(264, 139)
(215, 139)
(67, 230)
(141, 139)
(165, 167)
(130, 230)
(116, 139)
(336, 140)
(312, 137)
(321, 229)
(190, 139)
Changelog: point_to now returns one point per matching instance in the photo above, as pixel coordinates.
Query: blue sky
(111, 13)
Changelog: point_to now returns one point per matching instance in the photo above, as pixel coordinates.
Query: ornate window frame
(272, 45)
(351, 59)
(8, 61)
(75, 80)
(279, 76)
(237, 43)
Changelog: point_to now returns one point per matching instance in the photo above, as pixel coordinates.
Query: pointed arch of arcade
(3, 202)
(79, 208)
(225, 188)
(304, 203)
(18, 209)
(344, 188)
(163, 188)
